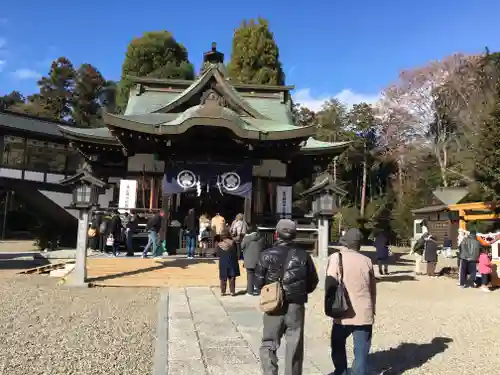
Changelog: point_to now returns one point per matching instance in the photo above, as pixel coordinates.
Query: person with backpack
(238, 230)
(284, 275)
(418, 250)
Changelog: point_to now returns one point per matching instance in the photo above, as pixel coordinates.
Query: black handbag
(336, 298)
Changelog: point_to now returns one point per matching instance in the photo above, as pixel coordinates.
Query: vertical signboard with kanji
(128, 195)
(284, 201)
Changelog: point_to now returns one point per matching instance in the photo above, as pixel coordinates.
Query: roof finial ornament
(213, 56)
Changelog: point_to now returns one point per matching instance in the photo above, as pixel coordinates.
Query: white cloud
(25, 74)
(346, 96)
(2, 64)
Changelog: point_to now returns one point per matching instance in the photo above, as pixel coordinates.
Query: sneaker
(485, 289)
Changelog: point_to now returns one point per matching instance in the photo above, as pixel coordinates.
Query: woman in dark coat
(382, 250)
(229, 268)
(251, 246)
(430, 255)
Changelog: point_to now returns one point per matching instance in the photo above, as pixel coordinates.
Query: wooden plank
(472, 206)
(482, 217)
(47, 268)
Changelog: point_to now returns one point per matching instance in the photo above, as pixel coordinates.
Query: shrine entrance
(209, 188)
(210, 203)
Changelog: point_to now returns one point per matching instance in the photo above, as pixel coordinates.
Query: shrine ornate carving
(212, 97)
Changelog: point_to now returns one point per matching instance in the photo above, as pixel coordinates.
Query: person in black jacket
(153, 227)
(191, 224)
(115, 230)
(296, 269)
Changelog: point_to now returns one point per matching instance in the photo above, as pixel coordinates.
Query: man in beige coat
(359, 282)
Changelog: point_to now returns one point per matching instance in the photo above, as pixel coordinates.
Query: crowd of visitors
(109, 232)
(473, 259)
(283, 275)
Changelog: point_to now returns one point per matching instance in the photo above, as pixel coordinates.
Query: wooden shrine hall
(211, 144)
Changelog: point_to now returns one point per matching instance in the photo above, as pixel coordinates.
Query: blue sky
(349, 49)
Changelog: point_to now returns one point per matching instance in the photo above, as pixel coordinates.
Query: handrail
(298, 229)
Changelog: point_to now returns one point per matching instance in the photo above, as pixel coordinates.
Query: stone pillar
(322, 259)
(79, 275)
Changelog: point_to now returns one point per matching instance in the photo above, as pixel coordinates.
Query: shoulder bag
(272, 295)
(336, 299)
(110, 241)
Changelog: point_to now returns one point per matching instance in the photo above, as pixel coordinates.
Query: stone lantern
(324, 195)
(86, 191)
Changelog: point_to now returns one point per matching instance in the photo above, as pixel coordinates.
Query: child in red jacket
(484, 268)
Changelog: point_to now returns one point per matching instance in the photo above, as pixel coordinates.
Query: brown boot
(223, 285)
(232, 286)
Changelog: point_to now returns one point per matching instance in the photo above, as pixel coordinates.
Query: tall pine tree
(86, 108)
(487, 152)
(56, 89)
(255, 55)
(155, 54)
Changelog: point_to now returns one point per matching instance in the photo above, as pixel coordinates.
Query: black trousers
(467, 273)
(250, 280)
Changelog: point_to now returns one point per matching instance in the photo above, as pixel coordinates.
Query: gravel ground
(51, 329)
(425, 326)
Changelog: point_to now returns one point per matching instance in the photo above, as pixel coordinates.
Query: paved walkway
(212, 335)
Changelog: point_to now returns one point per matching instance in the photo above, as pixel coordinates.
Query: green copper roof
(208, 115)
(271, 108)
(215, 76)
(98, 135)
(313, 145)
(148, 101)
(274, 109)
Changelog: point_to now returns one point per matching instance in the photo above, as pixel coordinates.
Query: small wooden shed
(440, 221)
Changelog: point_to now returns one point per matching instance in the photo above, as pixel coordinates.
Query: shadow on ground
(175, 263)
(407, 356)
(394, 259)
(395, 278)
(22, 264)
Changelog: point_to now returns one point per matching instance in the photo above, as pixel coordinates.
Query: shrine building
(210, 144)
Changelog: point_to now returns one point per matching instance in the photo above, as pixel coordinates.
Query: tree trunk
(363, 187)
(400, 180)
(442, 158)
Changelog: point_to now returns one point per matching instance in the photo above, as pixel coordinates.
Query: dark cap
(286, 229)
